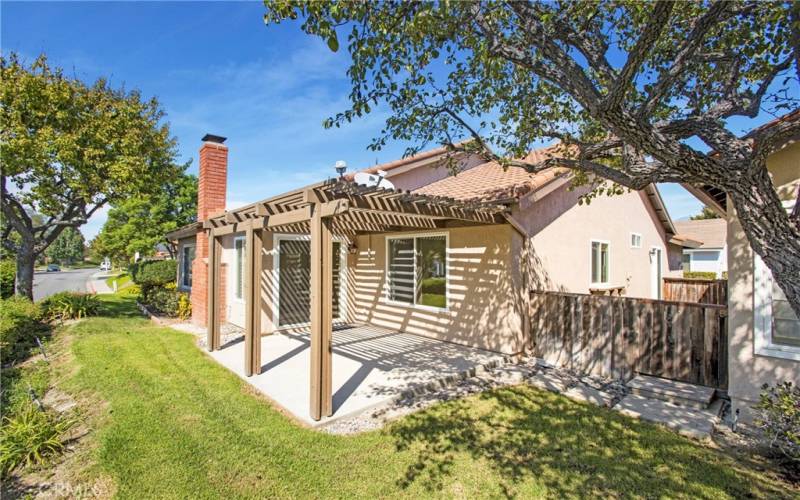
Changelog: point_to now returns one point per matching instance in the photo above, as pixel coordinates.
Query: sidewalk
(97, 283)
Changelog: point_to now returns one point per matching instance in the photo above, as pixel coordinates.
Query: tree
(138, 224)
(704, 214)
(67, 149)
(68, 248)
(650, 84)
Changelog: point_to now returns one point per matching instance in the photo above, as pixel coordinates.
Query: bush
(70, 305)
(29, 437)
(700, 275)
(20, 322)
(154, 272)
(161, 299)
(131, 290)
(8, 275)
(778, 416)
(184, 306)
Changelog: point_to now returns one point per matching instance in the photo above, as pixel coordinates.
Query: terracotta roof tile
(491, 182)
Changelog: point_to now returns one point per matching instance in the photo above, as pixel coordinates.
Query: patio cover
(334, 207)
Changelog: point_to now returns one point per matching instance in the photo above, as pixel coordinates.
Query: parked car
(105, 266)
(51, 268)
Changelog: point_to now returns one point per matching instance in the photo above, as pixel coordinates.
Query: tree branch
(659, 19)
(694, 40)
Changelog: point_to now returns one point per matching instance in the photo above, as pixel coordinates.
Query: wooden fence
(620, 337)
(696, 290)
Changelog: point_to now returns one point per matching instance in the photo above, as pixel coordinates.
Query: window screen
(785, 325)
(401, 270)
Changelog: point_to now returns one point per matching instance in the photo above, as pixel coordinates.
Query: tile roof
(491, 182)
(402, 162)
(712, 232)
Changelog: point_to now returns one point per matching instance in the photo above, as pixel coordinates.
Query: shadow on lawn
(523, 434)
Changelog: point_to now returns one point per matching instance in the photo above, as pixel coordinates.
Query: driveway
(46, 284)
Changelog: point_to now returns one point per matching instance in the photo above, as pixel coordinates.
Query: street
(46, 284)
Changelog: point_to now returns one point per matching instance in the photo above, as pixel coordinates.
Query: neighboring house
(711, 256)
(476, 277)
(763, 331)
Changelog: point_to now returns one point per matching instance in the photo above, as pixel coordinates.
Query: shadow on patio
(371, 365)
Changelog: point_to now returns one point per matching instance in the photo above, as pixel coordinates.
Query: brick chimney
(211, 190)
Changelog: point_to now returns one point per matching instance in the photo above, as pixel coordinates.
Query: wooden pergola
(324, 210)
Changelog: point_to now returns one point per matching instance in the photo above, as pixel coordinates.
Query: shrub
(155, 272)
(700, 275)
(778, 416)
(131, 290)
(70, 305)
(20, 321)
(184, 306)
(8, 274)
(161, 299)
(29, 437)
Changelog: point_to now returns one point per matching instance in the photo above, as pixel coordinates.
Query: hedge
(154, 272)
(701, 275)
(8, 273)
(20, 322)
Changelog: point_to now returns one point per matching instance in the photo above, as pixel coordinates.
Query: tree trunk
(765, 222)
(25, 262)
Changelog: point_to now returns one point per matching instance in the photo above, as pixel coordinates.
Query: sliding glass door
(293, 266)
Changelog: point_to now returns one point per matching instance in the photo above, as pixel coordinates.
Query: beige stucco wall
(484, 290)
(562, 231)
(747, 371)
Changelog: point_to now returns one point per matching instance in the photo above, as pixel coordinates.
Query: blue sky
(216, 68)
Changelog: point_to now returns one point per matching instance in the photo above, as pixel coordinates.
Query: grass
(123, 280)
(176, 424)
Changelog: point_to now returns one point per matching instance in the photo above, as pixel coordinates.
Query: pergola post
(252, 302)
(212, 325)
(321, 402)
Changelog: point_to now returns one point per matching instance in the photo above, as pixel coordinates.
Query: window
(636, 240)
(238, 247)
(599, 263)
(187, 257)
(686, 261)
(777, 328)
(417, 270)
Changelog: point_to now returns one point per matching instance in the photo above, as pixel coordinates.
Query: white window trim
(414, 305)
(236, 267)
(762, 316)
(276, 281)
(630, 240)
(183, 248)
(591, 278)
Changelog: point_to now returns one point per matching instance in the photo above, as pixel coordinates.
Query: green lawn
(176, 424)
(122, 279)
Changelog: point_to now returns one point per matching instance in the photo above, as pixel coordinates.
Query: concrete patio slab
(693, 423)
(371, 366)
